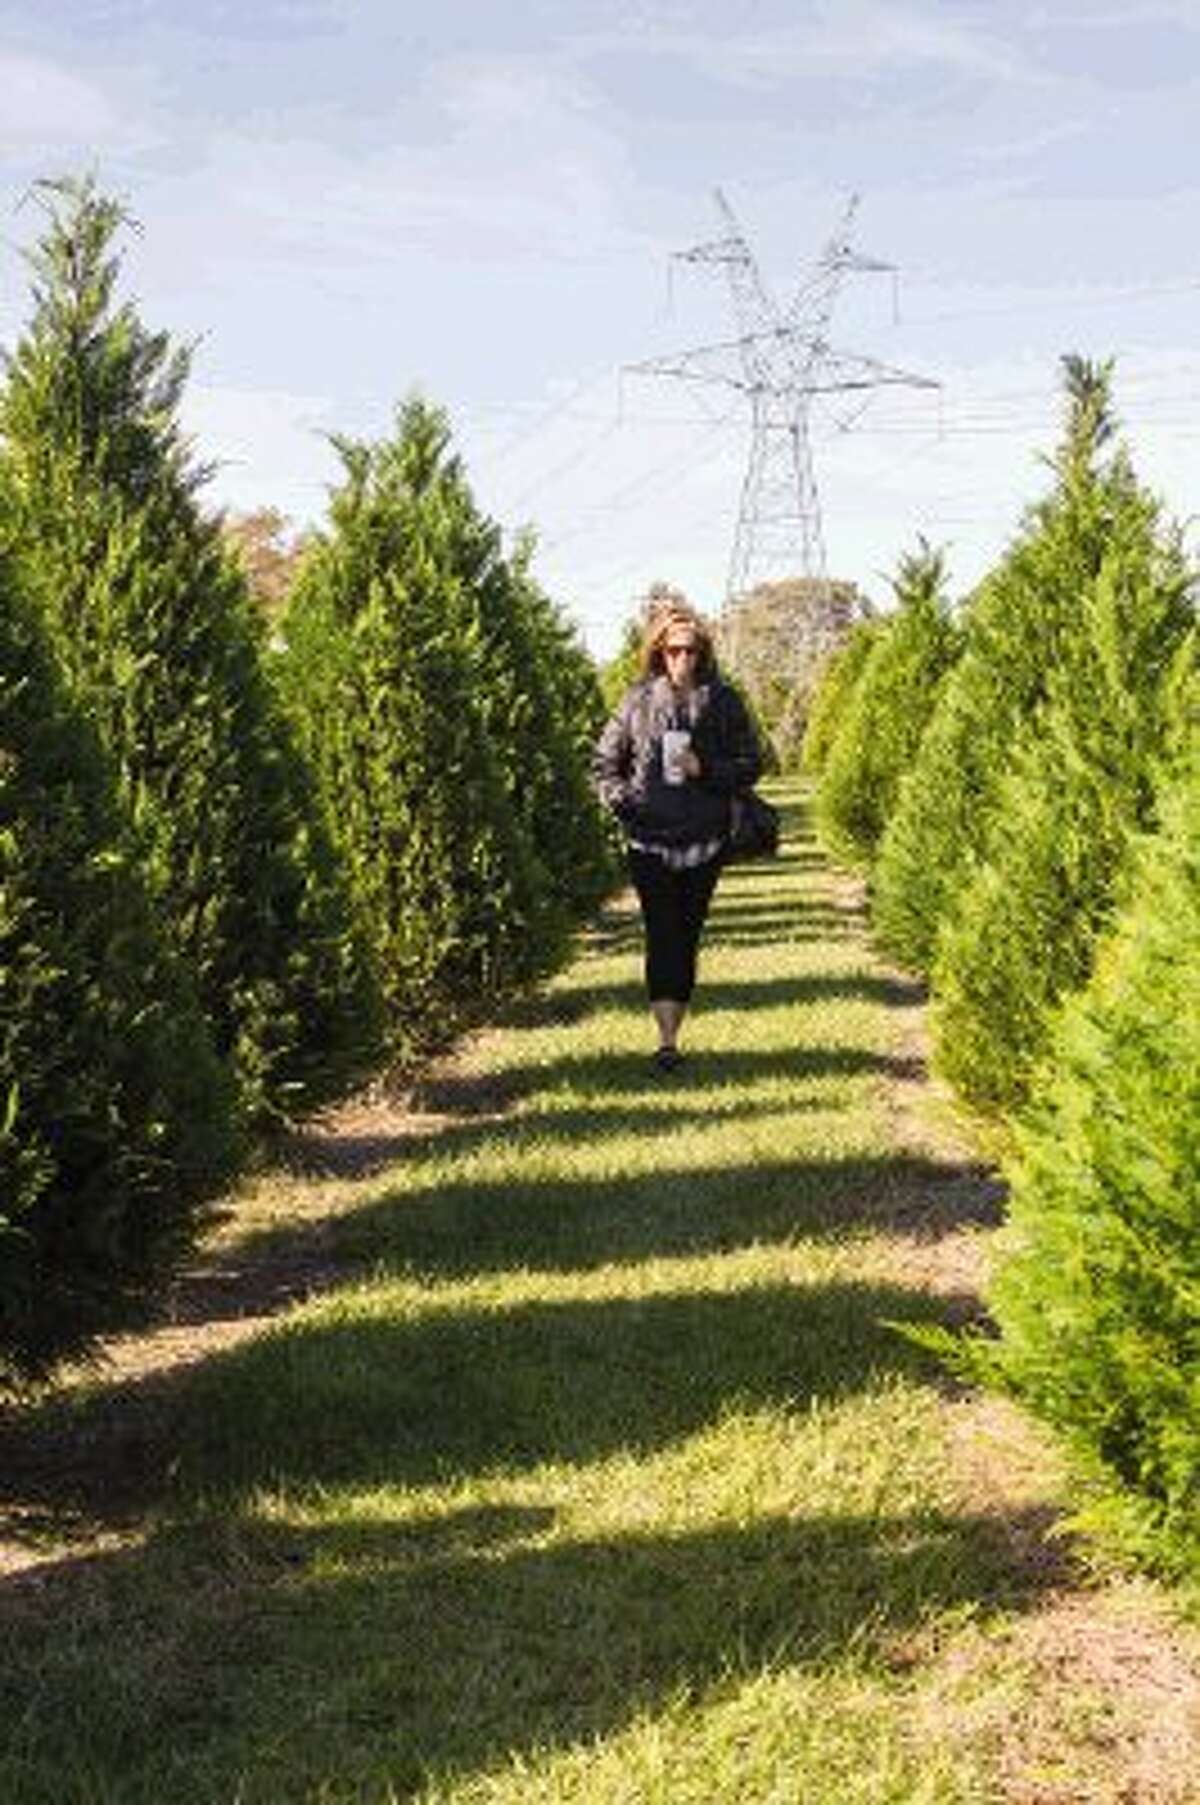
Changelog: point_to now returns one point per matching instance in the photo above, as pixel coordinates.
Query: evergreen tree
(1018, 627)
(1098, 1277)
(1080, 785)
(160, 645)
(833, 692)
(623, 667)
(538, 699)
(881, 726)
(384, 672)
(565, 715)
(115, 1116)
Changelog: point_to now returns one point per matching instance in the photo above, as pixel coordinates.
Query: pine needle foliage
(1018, 627)
(1080, 785)
(623, 667)
(161, 647)
(115, 1115)
(880, 727)
(540, 701)
(390, 655)
(833, 692)
(1097, 1287)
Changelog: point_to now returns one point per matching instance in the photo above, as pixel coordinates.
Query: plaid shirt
(681, 858)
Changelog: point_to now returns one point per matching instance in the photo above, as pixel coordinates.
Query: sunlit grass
(605, 1476)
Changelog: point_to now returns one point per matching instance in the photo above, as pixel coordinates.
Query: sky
(341, 203)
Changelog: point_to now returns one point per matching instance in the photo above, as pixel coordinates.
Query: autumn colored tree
(269, 550)
(775, 640)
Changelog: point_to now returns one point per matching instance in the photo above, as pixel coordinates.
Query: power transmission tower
(782, 360)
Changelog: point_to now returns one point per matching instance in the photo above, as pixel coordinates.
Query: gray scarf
(670, 707)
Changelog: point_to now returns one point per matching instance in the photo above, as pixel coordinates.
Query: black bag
(753, 827)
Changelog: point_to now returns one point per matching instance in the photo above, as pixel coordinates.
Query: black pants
(674, 905)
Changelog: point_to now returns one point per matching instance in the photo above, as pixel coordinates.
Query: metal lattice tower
(782, 360)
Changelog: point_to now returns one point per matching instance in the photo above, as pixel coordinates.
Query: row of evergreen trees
(233, 875)
(1018, 780)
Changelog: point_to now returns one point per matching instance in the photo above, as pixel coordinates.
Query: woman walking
(668, 764)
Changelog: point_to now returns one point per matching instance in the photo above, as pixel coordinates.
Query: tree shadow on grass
(779, 923)
(612, 1075)
(783, 931)
(461, 1227)
(623, 1092)
(791, 865)
(465, 1228)
(470, 1127)
(797, 912)
(367, 1658)
(564, 1008)
(368, 1396)
(730, 901)
(885, 990)
(615, 929)
(373, 1394)
(770, 906)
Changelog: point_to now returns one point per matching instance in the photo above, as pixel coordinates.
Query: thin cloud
(1032, 144)
(480, 93)
(525, 165)
(855, 38)
(305, 200)
(47, 104)
(1102, 18)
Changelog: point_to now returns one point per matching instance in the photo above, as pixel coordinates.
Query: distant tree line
(775, 641)
(1019, 781)
(237, 873)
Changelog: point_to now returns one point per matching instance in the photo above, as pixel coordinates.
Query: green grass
(607, 1475)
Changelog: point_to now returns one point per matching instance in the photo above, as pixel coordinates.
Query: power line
(781, 360)
(1113, 298)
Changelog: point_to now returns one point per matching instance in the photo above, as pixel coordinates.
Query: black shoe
(668, 1059)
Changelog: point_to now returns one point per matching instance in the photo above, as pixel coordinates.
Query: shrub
(115, 1116)
(1097, 1282)
(881, 724)
(1018, 627)
(160, 646)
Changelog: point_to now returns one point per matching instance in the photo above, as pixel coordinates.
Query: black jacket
(628, 763)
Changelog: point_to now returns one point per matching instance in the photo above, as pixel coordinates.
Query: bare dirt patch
(1089, 1700)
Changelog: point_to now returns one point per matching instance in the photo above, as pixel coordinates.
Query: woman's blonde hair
(668, 614)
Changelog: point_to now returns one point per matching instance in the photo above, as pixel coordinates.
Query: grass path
(592, 1465)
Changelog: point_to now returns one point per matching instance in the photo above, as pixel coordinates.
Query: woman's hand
(689, 764)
